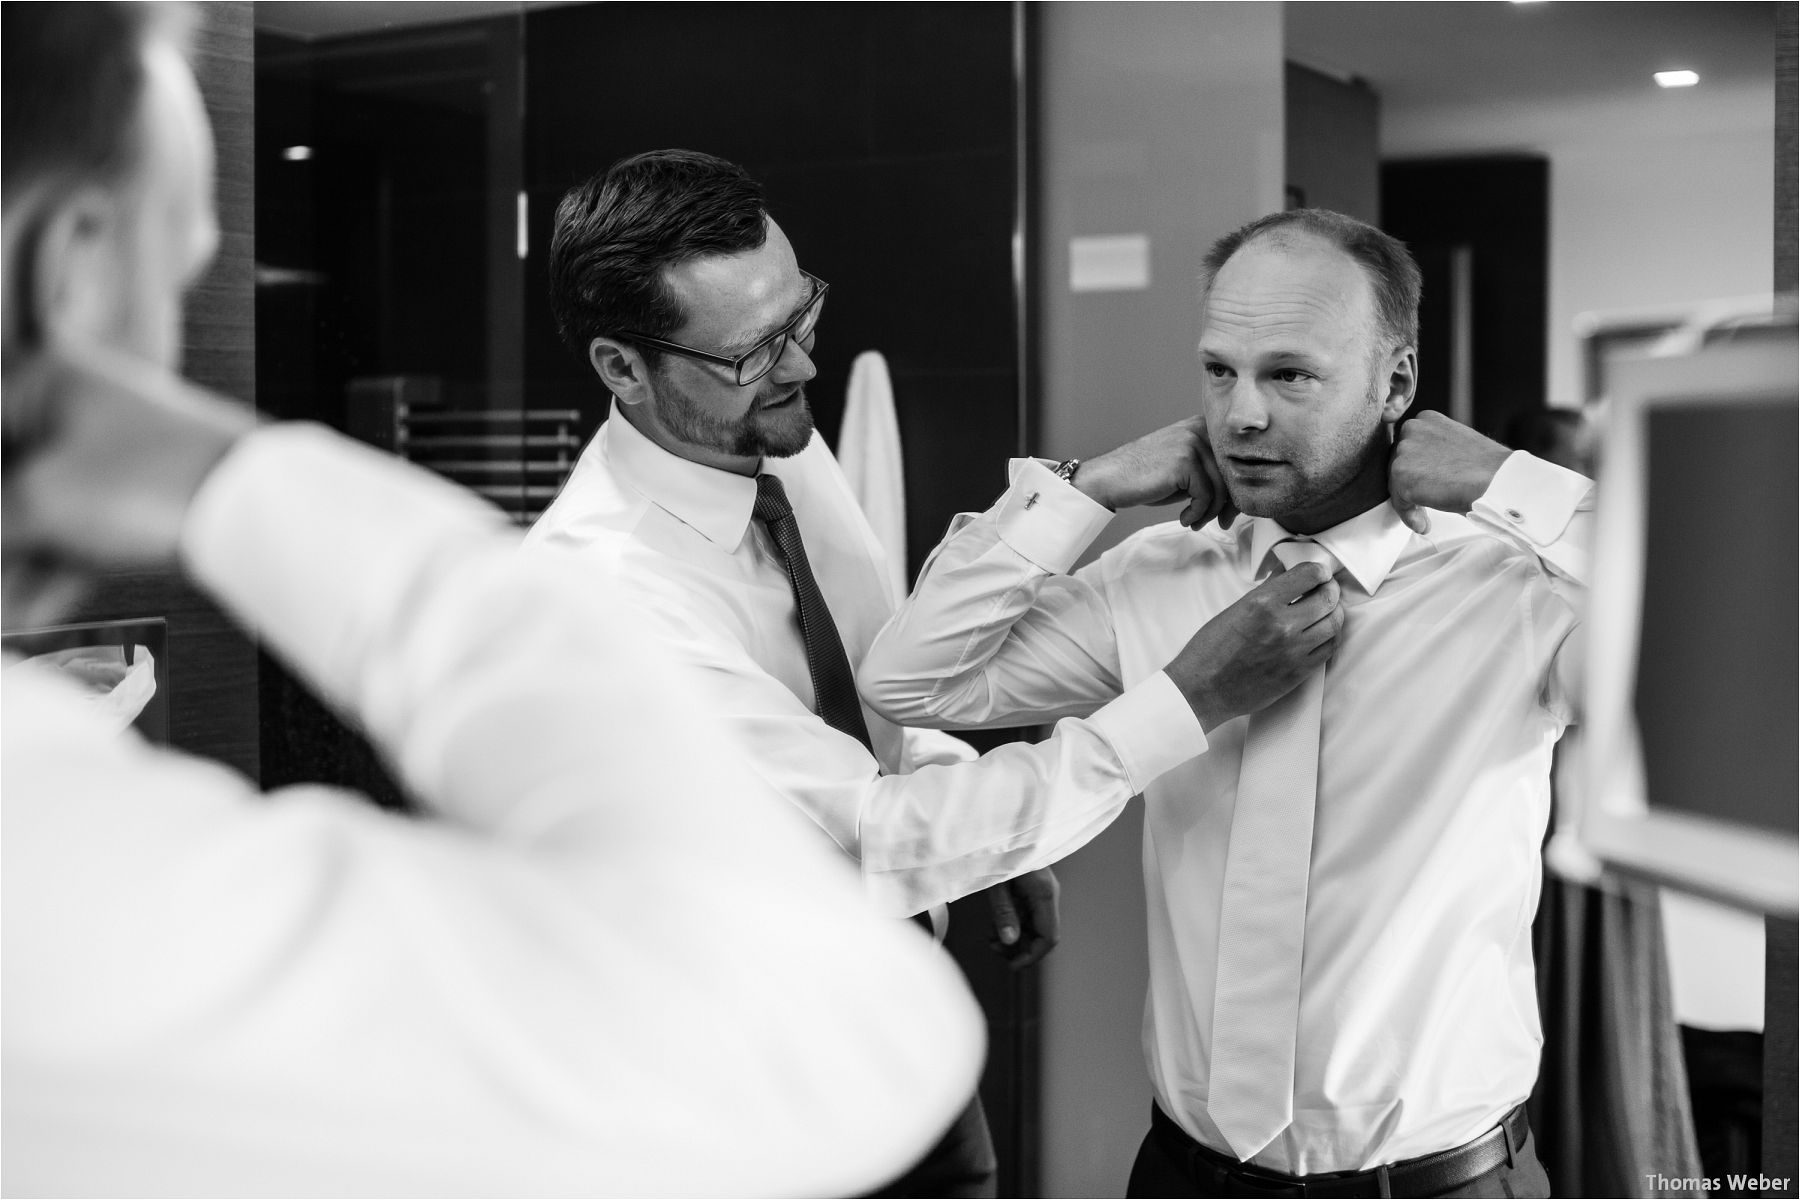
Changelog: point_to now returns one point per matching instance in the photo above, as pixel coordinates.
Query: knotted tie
(834, 684)
(1262, 925)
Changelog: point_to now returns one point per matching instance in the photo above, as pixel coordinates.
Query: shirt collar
(715, 502)
(1367, 544)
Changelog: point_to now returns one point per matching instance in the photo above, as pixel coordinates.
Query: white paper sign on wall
(1119, 263)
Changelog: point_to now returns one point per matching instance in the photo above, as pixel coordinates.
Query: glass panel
(389, 240)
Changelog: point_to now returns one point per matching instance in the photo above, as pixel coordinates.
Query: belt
(1428, 1175)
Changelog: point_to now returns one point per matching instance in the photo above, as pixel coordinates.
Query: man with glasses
(212, 990)
(708, 493)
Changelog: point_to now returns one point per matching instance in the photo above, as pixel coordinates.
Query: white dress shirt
(614, 966)
(1418, 1022)
(927, 820)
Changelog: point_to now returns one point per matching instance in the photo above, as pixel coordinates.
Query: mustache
(797, 392)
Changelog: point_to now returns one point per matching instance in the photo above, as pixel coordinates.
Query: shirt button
(1514, 515)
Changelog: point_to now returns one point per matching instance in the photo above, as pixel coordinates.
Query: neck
(1368, 489)
(644, 421)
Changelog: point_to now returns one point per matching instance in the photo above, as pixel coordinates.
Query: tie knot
(1294, 551)
(771, 500)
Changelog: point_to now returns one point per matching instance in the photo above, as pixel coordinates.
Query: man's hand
(1174, 463)
(1026, 922)
(103, 455)
(1261, 647)
(1438, 463)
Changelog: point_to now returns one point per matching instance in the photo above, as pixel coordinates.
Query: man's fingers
(1413, 517)
(1313, 616)
(1409, 513)
(1325, 629)
(1297, 580)
(1032, 953)
(1006, 916)
(1040, 893)
(1317, 605)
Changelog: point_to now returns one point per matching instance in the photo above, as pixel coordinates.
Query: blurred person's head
(107, 175)
(106, 216)
(1308, 342)
(1563, 436)
(666, 263)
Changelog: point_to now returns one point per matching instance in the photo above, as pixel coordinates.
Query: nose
(1246, 412)
(795, 365)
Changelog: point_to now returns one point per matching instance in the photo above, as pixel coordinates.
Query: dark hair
(1391, 269)
(616, 232)
(73, 82)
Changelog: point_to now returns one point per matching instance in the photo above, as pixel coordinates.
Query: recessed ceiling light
(1676, 79)
(297, 153)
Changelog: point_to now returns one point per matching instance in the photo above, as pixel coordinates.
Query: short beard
(689, 422)
(1322, 491)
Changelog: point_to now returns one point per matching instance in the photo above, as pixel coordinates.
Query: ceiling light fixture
(297, 153)
(1676, 79)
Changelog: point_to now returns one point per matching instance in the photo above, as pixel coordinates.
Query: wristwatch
(1065, 470)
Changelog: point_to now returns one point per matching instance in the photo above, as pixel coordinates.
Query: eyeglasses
(761, 358)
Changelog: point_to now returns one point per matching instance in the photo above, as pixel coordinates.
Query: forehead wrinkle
(1279, 321)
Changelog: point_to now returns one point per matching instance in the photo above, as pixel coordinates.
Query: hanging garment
(869, 452)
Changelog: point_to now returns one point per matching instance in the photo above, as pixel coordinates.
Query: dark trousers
(962, 1164)
(1162, 1169)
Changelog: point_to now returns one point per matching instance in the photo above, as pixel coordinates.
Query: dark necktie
(834, 684)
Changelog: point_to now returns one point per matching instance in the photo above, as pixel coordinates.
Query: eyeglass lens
(762, 360)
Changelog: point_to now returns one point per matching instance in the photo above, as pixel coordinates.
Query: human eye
(760, 357)
(1217, 370)
(1290, 375)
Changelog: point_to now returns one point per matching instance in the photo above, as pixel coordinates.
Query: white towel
(869, 452)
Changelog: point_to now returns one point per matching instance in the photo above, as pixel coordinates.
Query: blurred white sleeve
(618, 967)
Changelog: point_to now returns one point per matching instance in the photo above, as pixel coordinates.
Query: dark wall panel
(1500, 209)
(1333, 143)
(885, 135)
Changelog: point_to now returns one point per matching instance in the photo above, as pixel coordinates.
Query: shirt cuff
(1152, 728)
(1534, 498)
(1048, 520)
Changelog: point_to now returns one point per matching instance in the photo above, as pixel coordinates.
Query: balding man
(1341, 885)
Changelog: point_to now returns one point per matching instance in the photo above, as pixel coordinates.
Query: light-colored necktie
(1262, 926)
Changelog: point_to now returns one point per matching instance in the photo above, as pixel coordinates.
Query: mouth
(782, 401)
(1254, 462)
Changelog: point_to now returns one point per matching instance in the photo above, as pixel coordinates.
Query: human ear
(1400, 382)
(78, 279)
(621, 367)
